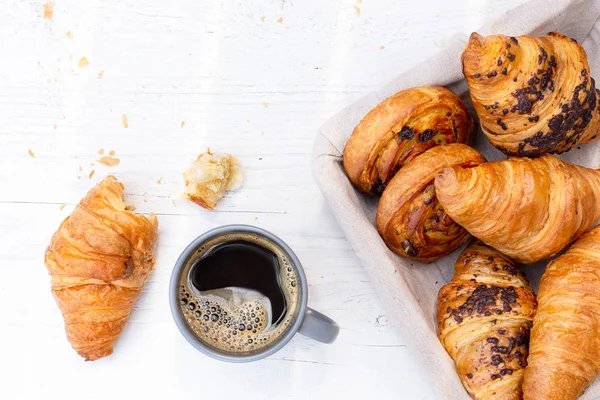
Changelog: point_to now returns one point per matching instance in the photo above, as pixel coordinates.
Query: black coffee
(239, 293)
(243, 265)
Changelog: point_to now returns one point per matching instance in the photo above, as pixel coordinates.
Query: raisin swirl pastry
(410, 219)
(400, 128)
(533, 95)
(485, 314)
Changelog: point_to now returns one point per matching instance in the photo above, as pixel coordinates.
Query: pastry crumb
(124, 121)
(280, 20)
(54, 126)
(266, 104)
(49, 10)
(63, 206)
(100, 76)
(359, 1)
(78, 177)
(69, 34)
(381, 47)
(91, 174)
(101, 152)
(210, 176)
(111, 153)
(31, 154)
(255, 218)
(83, 62)
(109, 161)
(80, 169)
(182, 124)
(357, 9)
(262, 18)
(159, 181)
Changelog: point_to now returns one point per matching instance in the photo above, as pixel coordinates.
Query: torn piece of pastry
(210, 176)
(100, 259)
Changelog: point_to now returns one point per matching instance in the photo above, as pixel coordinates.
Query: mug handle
(319, 327)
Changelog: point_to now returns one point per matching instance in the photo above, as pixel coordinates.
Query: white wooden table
(253, 78)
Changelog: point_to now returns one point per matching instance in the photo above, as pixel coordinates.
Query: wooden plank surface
(253, 78)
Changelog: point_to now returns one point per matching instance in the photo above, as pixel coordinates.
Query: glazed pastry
(410, 220)
(399, 129)
(533, 95)
(528, 209)
(210, 176)
(484, 316)
(99, 260)
(565, 340)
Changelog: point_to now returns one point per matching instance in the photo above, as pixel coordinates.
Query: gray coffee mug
(306, 321)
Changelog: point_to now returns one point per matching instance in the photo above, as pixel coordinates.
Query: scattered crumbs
(69, 34)
(381, 47)
(248, 121)
(78, 176)
(54, 127)
(91, 174)
(262, 19)
(280, 20)
(124, 121)
(83, 62)
(31, 154)
(285, 212)
(91, 164)
(357, 10)
(359, 1)
(159, 181)
(109, 161)
(49, 10)
(255, 218)
(145, 200)
(100, 76)
(101, 152)
(80, 169)
(63, 206)
(48, 81)
(111, 153)
(182, 124)
(70, 56)
(266, 104)
(130, 207)
(38, 63)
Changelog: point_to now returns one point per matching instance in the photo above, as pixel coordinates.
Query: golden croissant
(484, 316)
(99, 260)
(565, 340)
(399, 129)
(533, 95)
(528, 209)
(410, 220)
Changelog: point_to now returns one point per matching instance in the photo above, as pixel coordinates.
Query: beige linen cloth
(409, 289)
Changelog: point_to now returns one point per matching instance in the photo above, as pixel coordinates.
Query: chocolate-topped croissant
(533, 95)
(528, 209)
(399, 129)
(410, 219)
(484, 314)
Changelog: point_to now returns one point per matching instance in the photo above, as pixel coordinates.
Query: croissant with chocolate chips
(99, 260)
(410, 219)
(529, 209)
(565, 342)
(399, 129)
(484, 316)
(533, 95)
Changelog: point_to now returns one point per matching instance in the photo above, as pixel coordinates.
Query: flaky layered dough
(410, 219)
(484, 316)
(528, 209)
(565, 340)
(400, 128)
(99, 260)
(533, 95)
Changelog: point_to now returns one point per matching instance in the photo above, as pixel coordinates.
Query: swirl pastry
(528, 209)
(410, 219)
(400, 128)
(533, 95)
(484, 316)
(99, 260)
(565, 344)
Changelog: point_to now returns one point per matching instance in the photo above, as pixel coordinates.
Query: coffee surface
(241, 295)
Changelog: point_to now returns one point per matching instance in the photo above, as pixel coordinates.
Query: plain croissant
(99, 260)
(528, 209)
(533, 95)
(399, 129)
(565, 340)
(484, 317)
(410, 220)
